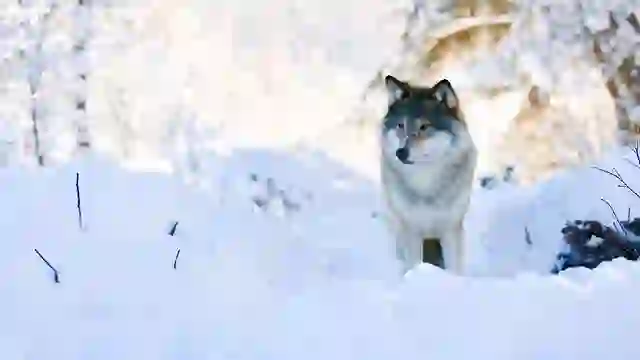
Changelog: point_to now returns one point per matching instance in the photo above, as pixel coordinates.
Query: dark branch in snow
(175, 261)
(34, 128)
(527, 236)
(56, 278)
(615, 216)
(636, 152)
(78, 204)
(172, 231)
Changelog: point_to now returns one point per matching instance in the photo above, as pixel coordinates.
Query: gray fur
(458, 172)
(428, 161)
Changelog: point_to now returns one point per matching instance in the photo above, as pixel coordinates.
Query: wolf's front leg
(408, 249)
(454, 250)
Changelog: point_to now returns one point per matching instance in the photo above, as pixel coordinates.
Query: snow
(280, 250)
(235, 67)
(543, 209)
(316, 282)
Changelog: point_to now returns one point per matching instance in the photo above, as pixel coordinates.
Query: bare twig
(56, 278)
(175, 261)
(172, 231)
(636, 150)
(616, 174)
(78, 205)
(527, 236)
(632, 164)
(615, 216)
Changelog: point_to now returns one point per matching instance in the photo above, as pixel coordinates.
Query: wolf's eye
(423, 127)
(400, 126)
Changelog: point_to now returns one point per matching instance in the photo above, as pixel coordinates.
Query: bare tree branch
(615, 216)
(172, 231)
(527, 236)
(175, 261)
(78, 205)
(56, 278)
(616, 174)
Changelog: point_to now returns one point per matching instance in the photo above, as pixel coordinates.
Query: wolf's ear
(443, 91)
(396, 89)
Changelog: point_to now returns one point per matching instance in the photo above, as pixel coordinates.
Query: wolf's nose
(402, 154)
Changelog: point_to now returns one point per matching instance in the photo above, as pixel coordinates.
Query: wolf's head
(422, 123)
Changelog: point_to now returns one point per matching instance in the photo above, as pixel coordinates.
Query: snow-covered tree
(82, 36)
(80, 74)
(520, 48)
(617, 48)
(43, 70)
(117, 76)
(142, 88)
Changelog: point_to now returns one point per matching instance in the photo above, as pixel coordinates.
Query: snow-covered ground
(307, 274)
(280, 251)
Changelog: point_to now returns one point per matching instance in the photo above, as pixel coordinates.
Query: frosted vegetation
(280, 252)
(168, 83)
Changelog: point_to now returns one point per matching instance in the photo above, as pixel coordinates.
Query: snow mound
(315, 280)
(519, 227)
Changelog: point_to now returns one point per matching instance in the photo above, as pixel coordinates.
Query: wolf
(428, 159)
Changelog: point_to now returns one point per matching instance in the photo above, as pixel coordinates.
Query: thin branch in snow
(615, 216)
(527, 236)
(78, 204)
(56, 278)
(616, 174)
(34, 128)
(636, 152)
(172, 231)
(175, 261)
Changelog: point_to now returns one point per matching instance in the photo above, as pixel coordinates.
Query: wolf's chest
(428, 213)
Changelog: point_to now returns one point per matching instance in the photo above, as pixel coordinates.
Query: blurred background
(166, 84)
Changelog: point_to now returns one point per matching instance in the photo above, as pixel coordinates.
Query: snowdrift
(285, 257)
